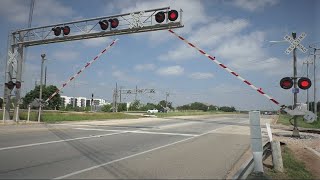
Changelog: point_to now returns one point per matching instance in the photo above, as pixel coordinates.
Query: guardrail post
(4, 113)
(28, 118)
(276, 156)
(256, 140)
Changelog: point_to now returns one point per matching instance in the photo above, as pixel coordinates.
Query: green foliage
(106, 108)
(227, 109)
(194, 106)
(284, 119)
(149, 106)
(294, 168)
(1, 102)
(122, 107)
(135, 106)
(47, 91)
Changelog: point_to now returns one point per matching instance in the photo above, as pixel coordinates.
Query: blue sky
(236, 32)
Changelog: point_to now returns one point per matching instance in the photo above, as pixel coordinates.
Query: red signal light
(56, 31)
(66, 30)
(286, 83)
(173, 15)
(160, 16)
(114, 22)
(304, 83)
(18, 84)
(104, 24)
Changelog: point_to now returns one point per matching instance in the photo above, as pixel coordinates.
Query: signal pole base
(295, 132)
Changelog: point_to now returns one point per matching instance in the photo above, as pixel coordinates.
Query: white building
(82, 101)
(65, 100)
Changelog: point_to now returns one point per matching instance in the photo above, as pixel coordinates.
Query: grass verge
(191, 113)
(52, 117)
(284, 119)
(293, 168)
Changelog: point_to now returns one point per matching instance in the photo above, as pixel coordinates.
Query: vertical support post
(9, 76)
(276, 156)
(45, 76)
(308, 89)
(20, 60)
(295, 132)
(28, 118)
(256, 140)
(314, 83)
(4, 114)
(40, 96)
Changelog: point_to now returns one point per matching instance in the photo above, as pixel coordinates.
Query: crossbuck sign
(295, 43)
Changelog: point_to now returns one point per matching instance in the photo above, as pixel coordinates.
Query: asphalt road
(197, 148)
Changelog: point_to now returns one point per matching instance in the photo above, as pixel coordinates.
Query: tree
(106, 108)
(163, 103)
(227, 109)
(135, 106)
(47, 91)
(198, 106)
(122, 107)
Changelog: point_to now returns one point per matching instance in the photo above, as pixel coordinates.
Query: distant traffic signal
(173, 15)
(66, 30)
(114, 22)
(160, 16)
(18, 84)
(104, 24)
(286, 83)
(10, 85)
(56, 31)
(304, 83)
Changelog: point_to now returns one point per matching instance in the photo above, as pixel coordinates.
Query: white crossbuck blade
(295, 43)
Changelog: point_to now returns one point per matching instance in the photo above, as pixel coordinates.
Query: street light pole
(40, 96)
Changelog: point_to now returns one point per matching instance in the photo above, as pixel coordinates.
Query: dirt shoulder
(305, 149)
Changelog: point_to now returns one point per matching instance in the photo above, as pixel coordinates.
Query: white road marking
(139, 132)
(64, 140)
(137, 154)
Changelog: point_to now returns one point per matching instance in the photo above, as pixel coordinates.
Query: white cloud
(96, 42)
(144, 67)
(171, 71)
(211, 35)
(253, 5)
(239, 49)
(65, 56)
(45, 12)
(201, 75)
(123, 76)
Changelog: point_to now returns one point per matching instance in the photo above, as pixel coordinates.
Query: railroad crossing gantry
(128, 23)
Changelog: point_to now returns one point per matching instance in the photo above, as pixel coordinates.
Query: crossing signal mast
(128, 23)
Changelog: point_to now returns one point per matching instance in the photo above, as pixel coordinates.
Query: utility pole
(135, 98)
(314, 81)
(45, 76)
(307, 62)
(40, 96)
(295, 132)
(167, 94)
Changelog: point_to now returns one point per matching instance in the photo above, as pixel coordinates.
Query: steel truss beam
(129, 23)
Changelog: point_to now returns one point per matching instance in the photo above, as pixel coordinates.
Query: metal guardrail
(247, 167)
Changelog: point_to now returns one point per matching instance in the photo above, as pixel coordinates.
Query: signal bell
(304, 83)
